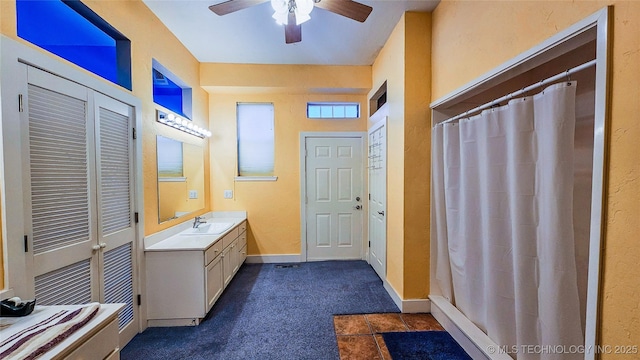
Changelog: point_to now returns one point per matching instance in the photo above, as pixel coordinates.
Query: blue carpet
(423, 345)
(272, 313)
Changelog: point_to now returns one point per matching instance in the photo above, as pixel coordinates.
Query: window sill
(172, 179)
(256, 178)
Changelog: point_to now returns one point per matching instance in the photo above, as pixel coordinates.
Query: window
(71, 30)
(333, 110)
(170, 157)
(255, 141)
(169, 91)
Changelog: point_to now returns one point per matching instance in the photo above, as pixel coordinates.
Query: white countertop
(177, 242)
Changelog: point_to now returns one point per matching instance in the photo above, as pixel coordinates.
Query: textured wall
(404, 63)
(389, 66)
(471, 38)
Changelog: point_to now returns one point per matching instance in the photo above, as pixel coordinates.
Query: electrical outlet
(228, 194)
(193, 194)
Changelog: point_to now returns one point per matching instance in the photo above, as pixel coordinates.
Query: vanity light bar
(179, 123)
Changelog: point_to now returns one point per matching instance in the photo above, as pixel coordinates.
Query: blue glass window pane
(313, 111)
(168, 94)
(54, 26)
(351, 111)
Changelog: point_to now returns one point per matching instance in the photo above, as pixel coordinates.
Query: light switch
(193, 194)
(228, 194)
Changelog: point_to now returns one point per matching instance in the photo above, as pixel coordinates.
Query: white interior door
(60, 189)
(378, 198)
(334, 179)
(116, 221)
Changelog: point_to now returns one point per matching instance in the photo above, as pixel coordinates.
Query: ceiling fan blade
(230, 6)
(292, 32)
(351, 9)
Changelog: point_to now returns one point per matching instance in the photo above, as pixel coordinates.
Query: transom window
(169, 91)
(74, 32)
(333, 110)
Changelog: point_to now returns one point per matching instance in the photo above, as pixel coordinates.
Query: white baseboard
(473, 340)
(273, 259)
(409, 305)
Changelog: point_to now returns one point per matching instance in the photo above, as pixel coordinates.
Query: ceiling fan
(292, 13)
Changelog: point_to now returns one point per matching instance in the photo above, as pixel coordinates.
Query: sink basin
(208, 229)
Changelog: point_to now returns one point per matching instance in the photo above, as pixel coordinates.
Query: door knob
(358, 207)
(357, 198)
(381, 212)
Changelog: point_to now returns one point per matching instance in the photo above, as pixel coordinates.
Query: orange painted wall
(150, 39)
(404, 63)
(471, 38)
(273, 207)
(389, 67)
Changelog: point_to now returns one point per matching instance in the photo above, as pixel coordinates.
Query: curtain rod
(522, 91)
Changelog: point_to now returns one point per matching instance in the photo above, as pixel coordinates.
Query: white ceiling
(252, 36)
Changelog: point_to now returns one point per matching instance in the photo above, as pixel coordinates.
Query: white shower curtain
(503, 222)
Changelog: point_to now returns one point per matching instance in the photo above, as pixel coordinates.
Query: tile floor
(359, 335)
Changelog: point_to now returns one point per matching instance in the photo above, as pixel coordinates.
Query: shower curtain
(503, 217)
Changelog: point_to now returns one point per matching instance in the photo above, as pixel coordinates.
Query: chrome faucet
(197, 221)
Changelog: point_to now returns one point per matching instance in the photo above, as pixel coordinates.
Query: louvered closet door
(60, 203)
(114, 163)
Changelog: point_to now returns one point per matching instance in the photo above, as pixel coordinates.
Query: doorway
(332, 177)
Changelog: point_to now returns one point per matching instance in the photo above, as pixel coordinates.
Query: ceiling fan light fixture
(281, 19)
(281, 11)
(301, 8)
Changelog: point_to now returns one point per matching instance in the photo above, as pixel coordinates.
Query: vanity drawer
(242, 240)
(243, 227)
(213, 251)
(230, 237)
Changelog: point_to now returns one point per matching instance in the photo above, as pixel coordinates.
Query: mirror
(180, 178)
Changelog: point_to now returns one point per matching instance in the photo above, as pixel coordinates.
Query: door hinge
(20, 103)
(26, 243)
(139, 299)
(369, 243)
(135, 217)
(135, 136)
(369, 196)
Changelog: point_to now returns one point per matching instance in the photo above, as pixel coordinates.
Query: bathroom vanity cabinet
(187, 275)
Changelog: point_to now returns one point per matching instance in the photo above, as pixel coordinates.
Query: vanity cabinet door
(215, 281)
(228, 257)
(235, 249)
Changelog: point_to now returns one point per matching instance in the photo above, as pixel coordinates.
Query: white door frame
(303, 184)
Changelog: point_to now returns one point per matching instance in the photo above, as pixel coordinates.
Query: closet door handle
(381, 212)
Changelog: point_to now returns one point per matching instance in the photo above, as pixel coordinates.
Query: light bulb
(281, 11)
(303, 9)
(171, 117)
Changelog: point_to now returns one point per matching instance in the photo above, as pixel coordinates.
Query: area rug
(423, 345)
